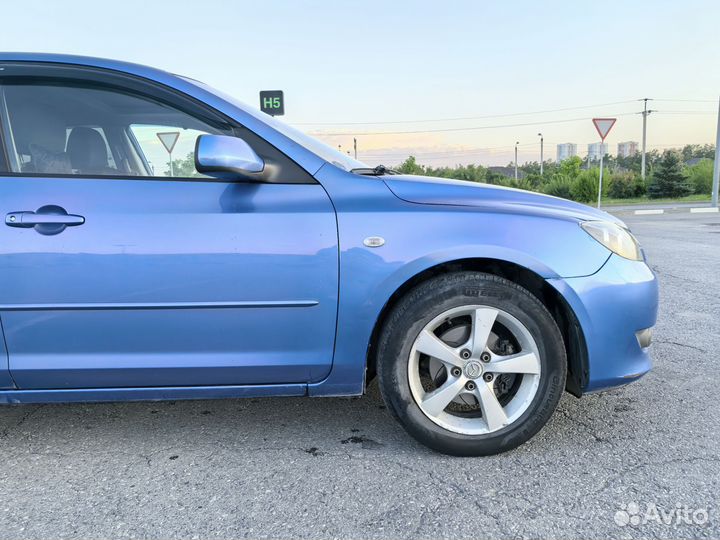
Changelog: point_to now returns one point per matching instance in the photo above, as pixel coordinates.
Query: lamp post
(516, 171)
(541, 153)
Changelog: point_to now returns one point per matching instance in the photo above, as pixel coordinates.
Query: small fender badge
(374, 241)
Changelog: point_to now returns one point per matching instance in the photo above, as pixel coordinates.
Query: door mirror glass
(226, 157)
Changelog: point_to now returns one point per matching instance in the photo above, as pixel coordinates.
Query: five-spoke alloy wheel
(471, 363)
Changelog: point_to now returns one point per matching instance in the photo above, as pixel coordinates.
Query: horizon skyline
(583, 155)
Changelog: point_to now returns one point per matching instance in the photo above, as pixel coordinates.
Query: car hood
(441, 191)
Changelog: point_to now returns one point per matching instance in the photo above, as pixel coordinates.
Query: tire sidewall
(438, 296)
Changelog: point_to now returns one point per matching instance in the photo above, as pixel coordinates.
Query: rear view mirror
(226, 157)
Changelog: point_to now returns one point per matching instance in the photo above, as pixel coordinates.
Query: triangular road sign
(603, 126)
(169, 139)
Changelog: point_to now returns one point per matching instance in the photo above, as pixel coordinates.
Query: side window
(169, 150)
(61, 129)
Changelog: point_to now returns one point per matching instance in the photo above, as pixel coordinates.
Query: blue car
(163, 241)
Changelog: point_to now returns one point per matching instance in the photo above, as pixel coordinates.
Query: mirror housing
(228, 157)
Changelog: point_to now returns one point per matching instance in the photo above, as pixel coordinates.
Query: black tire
(433, 297)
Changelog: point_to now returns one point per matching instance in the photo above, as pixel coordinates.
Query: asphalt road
(342, 468)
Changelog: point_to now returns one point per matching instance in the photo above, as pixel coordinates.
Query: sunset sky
(413, 68)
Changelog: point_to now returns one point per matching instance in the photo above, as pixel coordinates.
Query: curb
(649, 212)
(657, 211)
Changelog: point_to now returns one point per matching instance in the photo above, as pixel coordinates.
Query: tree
(570, 167)
(183, 168)
(700, 176)
(668, 179)
(706, 151)
(410, 166)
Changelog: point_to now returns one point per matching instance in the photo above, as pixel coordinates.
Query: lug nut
(470, 386)
(488, 377)
(465, 354)
(485, 357)
(456, 372)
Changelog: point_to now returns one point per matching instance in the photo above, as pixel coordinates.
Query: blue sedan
(163, 241)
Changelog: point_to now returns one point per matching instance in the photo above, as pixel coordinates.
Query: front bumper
(614, 306)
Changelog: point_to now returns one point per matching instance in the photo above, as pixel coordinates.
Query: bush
(639, 186)
(520, 183)
(700, 176)
(625, 186)
(620, 187)
(585, 187)
(559, 186)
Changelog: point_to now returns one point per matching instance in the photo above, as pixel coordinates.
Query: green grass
(646, 200)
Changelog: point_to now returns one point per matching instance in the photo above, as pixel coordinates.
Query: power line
(437, 154)
(661, 111)
(687, 100)
(485, 117)
(472, 128)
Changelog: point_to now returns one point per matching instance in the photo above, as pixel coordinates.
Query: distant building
(566, 150)
(596, 150)
(627, 149)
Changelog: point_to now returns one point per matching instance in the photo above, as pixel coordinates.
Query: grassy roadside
(646, 200)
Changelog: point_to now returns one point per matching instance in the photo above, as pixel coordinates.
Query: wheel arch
(573, 337)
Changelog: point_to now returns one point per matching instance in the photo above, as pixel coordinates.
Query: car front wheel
(471, 364)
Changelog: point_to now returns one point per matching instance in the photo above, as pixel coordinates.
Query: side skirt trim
(89, 395)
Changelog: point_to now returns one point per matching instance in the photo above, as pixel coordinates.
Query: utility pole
(516, 172)
(355, 146)
(644, 140)
(541, 153)
(716, 167)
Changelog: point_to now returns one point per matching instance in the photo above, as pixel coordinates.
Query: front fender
(418, 237)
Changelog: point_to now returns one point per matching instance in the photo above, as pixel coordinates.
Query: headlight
(614, 237)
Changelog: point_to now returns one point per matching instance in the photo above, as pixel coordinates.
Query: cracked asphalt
(342, 468)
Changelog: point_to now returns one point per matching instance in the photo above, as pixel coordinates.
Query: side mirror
(226, 157)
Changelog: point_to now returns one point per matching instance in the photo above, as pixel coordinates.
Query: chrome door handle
(47, 220)
(30, 219)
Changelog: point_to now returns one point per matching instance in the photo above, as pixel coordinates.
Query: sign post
(272, 102)
(168, 139)
(603, 127)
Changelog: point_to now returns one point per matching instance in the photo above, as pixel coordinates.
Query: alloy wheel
(474, 369)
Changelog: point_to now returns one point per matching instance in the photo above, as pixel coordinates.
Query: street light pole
(541, 153)
(516, 171)
(716, 167)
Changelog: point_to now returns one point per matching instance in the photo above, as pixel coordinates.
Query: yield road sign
(604, 125)
(169, 139)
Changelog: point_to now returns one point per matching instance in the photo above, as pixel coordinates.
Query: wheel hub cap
(473, 369)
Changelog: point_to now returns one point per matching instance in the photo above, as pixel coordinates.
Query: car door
(121, 266)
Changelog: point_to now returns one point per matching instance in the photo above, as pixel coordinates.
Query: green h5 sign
(272, 102)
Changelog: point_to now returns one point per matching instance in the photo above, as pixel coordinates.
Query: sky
(397, 75)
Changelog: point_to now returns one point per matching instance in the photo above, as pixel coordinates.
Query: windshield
(315, 146)
(327, 152)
